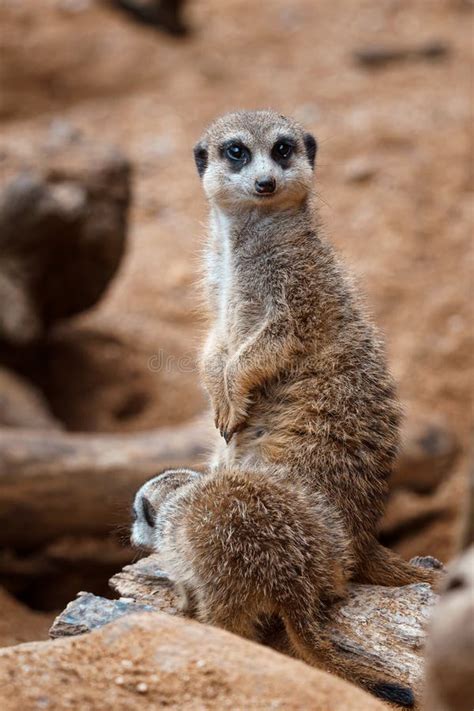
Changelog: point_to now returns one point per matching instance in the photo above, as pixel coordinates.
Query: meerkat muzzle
(265, 186)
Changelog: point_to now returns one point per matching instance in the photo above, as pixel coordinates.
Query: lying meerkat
(241, 546)
(295, 371)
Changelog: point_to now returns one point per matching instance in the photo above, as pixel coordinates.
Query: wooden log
(380, 56)
(383, 627)
(54, 484)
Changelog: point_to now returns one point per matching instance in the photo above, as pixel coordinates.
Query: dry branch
(54, 483)
(383, 627)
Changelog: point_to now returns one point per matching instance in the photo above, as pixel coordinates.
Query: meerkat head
(150, 501)
(251, 159)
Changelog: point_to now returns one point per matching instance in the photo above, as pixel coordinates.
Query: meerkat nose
(265, 185)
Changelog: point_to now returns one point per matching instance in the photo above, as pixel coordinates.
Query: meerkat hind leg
(382, 566)
(314, 647)
(187, 600)
(237, 621)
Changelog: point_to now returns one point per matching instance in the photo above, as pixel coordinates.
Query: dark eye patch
(456, 583)
(201, 158)
(311, 148)
(236, 153)
(283, 148)
(148, 512)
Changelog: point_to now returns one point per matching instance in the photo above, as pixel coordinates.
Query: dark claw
(227, 436)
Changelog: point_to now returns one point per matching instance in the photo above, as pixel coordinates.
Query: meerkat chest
(239, 305)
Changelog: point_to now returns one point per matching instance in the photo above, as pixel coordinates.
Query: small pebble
(119, 680)
(127, 663)
(142, 688)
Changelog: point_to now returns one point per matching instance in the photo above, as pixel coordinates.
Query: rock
(429, 450)
(382, 626)
(63, 227)
(450, 647)
(142, 586)
(22, 405)
(89, 612)
(152, 661)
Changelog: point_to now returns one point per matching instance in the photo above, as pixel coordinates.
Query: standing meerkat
(295, 371)
(241, 546)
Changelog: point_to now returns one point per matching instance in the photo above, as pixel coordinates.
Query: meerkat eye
(282, 150)
(237, 152)
(148, 512)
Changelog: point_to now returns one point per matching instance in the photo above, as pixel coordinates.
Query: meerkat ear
(311, 148)
(200, 157)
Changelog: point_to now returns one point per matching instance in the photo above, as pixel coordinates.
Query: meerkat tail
(311, 644)
(385, 567)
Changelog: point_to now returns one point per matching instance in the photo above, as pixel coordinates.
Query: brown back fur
(243, 546)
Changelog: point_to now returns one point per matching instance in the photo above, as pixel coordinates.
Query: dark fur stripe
(395, 693)
(200, 158)
(311, 148)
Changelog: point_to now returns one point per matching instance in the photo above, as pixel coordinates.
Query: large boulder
(152, 661)
(63, 222)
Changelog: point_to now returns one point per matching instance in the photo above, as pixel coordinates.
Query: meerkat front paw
(229, 421)
(234, 415)
(235, 423)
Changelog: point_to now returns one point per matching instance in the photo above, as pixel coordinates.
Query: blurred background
(102, 223)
